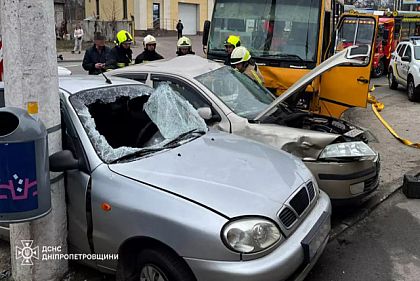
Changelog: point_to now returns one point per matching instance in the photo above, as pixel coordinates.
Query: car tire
(393, 84)
(379, 70)
(162, 265)
(412, 93)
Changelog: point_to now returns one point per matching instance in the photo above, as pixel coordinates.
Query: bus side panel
(278, 79)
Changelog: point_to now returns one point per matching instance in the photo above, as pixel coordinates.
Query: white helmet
(240, 54)
(149, 39)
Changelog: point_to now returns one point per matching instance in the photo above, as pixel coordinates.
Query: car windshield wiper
(282, 56)
(182, 137)
(138, 154)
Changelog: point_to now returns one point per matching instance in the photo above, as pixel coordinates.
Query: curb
(62, 61)
(371, 204)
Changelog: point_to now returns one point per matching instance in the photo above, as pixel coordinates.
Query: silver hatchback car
(183, 202)
(334, 150)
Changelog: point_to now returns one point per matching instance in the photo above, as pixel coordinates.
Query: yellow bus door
(344, 87)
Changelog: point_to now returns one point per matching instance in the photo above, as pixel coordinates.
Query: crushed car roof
(188, 65)
(77, 83)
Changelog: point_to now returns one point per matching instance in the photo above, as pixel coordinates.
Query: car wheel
(391, 81)
(379, 70)
(161, 265)
(411, 90)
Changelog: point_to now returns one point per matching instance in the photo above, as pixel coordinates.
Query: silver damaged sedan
(182, 202)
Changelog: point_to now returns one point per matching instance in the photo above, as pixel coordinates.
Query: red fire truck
(392, 28)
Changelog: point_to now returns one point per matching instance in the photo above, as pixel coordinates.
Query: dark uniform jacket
(148, 56)
(93, 56)
(227, 61)
(120, 57)
(178, 53)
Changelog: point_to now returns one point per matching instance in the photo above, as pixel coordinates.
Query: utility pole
(30, 77)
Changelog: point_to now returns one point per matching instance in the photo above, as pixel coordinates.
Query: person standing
(78, 38)
(241, 60)
(97, 56)
(179, 28)
(184, 46)
(121, 54)
(231, 43)
(149, 53)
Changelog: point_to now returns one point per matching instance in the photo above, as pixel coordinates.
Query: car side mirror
(358, 52)
(405, 58)
(205, 113)
(62, 161)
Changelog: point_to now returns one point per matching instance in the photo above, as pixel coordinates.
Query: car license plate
(353, 133)
(316, 237)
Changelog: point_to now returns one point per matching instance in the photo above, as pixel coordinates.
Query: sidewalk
(166, 46)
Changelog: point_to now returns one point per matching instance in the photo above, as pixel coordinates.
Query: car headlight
(250, 235)
(347, 150)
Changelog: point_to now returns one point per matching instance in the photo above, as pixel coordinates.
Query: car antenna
(106, 78)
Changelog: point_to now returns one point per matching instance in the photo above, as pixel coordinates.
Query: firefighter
(184, 46)
(121, 54)
(231, 43)
(240, 59)
(149, 53)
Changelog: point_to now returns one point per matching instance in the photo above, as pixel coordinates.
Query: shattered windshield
(242, 95)
(126, 120)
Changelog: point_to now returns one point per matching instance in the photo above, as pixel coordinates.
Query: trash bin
(24, 169)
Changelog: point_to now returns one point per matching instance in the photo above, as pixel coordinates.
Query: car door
(405, 65)
(399, 65)
(78, 184)
(347, 86)
(195, 98)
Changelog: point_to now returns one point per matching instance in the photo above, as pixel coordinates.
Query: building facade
(153, 14)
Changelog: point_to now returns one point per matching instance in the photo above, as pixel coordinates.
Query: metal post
(30, 75)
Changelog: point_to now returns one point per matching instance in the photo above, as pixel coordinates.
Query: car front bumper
(286, 262)
(345, 181)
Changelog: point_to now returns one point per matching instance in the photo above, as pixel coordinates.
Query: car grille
(311, 190)
(297, 205)
(287, 217)
(371, 183)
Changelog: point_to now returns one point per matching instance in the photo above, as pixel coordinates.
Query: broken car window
(126, 119)
(242, 95)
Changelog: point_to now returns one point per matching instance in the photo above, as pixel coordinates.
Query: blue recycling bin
(25, 192)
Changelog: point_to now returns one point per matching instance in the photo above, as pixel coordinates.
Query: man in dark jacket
(121, 54)
(179, 28)
(149, 53)
(97, 56)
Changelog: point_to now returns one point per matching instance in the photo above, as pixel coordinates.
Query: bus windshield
(355, 32)
(277, 29)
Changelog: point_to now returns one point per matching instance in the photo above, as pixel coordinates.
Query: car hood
(345, 57)
(300, 142)
(229, 174)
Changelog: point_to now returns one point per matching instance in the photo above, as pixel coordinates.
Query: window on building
(97, 8)
(125, 10)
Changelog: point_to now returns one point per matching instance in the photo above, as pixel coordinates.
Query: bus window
(355, 31)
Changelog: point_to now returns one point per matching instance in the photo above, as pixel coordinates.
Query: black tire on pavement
(412, 92)
(379, 70)
(393, 84)
(162, 265)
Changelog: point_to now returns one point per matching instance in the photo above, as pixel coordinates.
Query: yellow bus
(288, 38)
